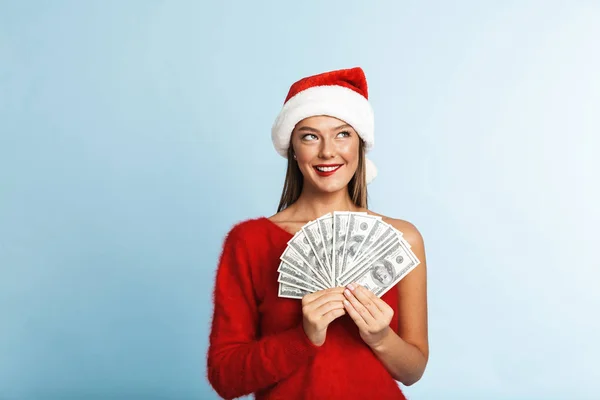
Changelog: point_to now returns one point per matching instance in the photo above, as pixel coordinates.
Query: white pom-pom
(371, 170)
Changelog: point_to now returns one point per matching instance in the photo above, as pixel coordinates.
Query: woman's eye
(309, 136)
(344, 133)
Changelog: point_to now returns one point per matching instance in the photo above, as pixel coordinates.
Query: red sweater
(257, 343)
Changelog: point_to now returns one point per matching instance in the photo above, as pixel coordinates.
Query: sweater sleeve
(239, 362)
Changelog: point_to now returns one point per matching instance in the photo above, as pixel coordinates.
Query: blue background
(134, 134)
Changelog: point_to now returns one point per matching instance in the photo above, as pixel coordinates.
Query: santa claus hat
(340, 94)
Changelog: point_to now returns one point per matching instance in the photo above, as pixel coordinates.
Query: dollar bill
(301, 244)
(295, 282)
(340, 228)
(388, 270)
(318, 254)
(391, 245)
(291, 292)
(375, 240)
(291, 257)
(367, 257)
(343, 256)
(326, 229)
(306, 274)
(358, 228)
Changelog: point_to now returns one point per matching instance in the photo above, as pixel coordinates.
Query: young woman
(339, 343)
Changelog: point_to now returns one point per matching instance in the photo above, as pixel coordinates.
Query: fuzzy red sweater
(257, 343)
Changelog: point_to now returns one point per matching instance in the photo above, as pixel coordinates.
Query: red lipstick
(331, 169)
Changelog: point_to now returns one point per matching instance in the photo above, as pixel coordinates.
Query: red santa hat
(341, 94)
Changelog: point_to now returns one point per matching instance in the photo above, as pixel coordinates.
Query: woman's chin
(329, 186)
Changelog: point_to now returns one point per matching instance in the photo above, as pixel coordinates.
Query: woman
(339, 343)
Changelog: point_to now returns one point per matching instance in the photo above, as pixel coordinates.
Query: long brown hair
(294, 181)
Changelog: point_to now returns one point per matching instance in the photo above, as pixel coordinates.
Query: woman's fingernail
(351, 286)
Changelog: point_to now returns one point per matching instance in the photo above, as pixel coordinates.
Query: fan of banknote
(343, 247)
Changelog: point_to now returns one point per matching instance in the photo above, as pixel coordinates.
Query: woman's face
(326, 150)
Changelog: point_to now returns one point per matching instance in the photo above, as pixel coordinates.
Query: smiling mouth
(326, 170)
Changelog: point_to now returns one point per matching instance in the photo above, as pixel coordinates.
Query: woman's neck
(312, 205)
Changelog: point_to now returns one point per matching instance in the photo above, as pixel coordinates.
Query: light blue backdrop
(134, 134)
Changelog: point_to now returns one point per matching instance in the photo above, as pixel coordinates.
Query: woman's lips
(326, 170)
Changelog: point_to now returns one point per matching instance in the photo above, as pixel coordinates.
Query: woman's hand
(371, 314)
(319, 309)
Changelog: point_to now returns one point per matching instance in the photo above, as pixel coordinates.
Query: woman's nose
(327, 149)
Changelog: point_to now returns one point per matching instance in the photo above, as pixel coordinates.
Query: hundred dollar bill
(326, 229)
(291, 292)
(358, 228)
(302, 247)
(388, 270)
(306, 275)
(291, 257)
(390, 246)
(376, 238)
(318, 254)
(295, 282)
(340, 228)
(385, 240)
(343, 256)
(355, 268)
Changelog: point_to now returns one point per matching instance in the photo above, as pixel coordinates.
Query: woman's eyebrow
(342, 126)
(309, 129)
